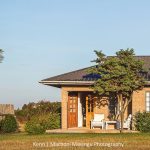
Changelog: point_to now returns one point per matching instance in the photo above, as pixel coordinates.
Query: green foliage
(40, 116)
(142, 121)
(8, 124)
(119, 74)
(0, 125)
(39, 124)
(1, 55)
(21, 115)
(53, 121)
(33, 127)
(32, 109)
(48, 121)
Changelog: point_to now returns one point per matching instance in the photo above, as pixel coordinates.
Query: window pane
(147, 99)
(147, 109)
(147, 94)
(147, 104)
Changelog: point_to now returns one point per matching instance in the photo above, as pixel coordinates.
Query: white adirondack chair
(127, 122)
(98, 121)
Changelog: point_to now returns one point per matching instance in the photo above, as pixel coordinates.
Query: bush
(142, 121)
(9, 124)
(39, 124)
(53, 122)
(33, 127)
(0, 125)
(32, 109)
(50, 121)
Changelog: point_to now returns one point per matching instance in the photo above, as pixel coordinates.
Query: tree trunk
(121, 111)
(122, 120)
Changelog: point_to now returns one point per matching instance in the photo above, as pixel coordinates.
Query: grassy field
(126, 141)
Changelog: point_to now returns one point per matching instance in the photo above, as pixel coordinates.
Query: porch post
(64, 109)
(80, 116)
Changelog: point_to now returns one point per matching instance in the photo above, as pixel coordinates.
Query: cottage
(79, 102)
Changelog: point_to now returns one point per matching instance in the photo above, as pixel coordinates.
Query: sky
(44, 38)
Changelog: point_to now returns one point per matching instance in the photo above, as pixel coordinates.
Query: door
(72, 110)
(89, 109)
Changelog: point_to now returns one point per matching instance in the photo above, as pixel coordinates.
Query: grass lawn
(22, 141)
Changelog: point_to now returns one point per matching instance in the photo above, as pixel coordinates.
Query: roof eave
(59, 84)
(66, 83)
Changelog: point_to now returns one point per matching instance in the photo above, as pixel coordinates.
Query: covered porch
(79, 105)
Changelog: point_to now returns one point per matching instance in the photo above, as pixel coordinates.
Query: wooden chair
(127, 122)
(98, 121)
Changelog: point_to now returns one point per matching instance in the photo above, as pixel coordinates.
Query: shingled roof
(81, 77)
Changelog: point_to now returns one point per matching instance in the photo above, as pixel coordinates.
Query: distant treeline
(35, 109)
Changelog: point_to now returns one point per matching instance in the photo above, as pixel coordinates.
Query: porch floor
(87, 130)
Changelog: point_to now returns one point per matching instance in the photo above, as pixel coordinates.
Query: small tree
(142, 121)
(1, 55)
(118, 75)
(9, 124)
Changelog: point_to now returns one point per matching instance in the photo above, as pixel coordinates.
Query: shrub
(9, 124)
(42, 107)
(53, 121)
(33, 127)
(39, 124)
(142, 121)
(50, 121)
(0, 125)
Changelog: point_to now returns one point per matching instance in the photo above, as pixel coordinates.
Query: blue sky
(43, 38)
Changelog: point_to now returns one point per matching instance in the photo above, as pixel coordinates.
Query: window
(148, 101)
(72, 103)
(112, 105)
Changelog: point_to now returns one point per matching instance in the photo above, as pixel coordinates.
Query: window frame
(147, 107)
